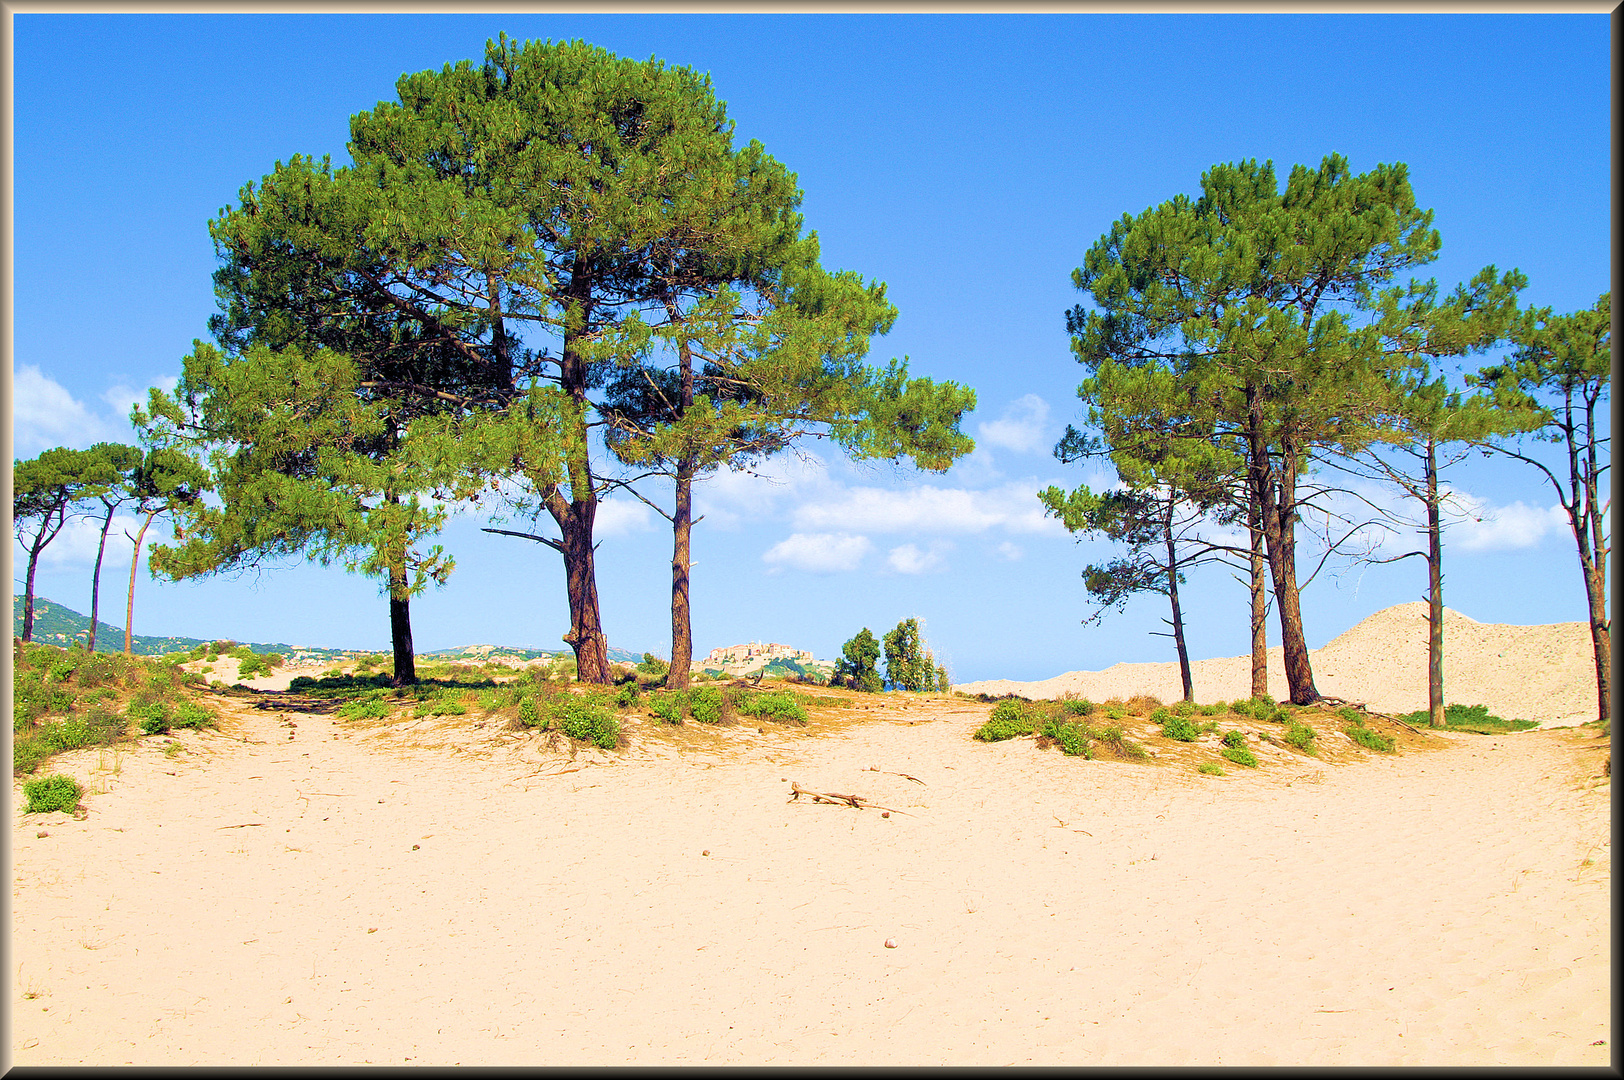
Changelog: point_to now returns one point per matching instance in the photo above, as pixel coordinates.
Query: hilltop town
(749, 658)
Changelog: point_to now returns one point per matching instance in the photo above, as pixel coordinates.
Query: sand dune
(295, 889)
(1541, 673)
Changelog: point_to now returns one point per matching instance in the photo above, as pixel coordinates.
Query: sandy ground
(1542, 673)
(298, 890)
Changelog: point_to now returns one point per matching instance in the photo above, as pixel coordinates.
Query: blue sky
(968, 161)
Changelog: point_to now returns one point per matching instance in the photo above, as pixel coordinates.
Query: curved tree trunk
(95, 580)
(1276, 490)
(581, 582)
(129, 608)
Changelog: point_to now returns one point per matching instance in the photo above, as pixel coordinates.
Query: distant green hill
(62, 626)
(57, 625)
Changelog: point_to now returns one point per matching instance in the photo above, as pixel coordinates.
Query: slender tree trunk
(1593, 553)
(682, 636)
(129, 607)
(1435, 594)
(400, 626)
(1173, 597)
(575, 517)
(1277, 500)
(95, 580)
(28, 595)
(1260, 600)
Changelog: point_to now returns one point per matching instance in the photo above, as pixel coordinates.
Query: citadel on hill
(747, 659)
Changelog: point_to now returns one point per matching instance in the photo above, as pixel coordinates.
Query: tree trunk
(1435, 595)
(95, 579)
(1593, 561)
(1277, 497)
(581, 582)
(28, 595)
(129, 607)
(575, 517)
(1260, 600)
(682, 636)
(400, 627)
(1173, 597)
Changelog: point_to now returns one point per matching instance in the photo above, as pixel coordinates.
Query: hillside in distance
(59, 625)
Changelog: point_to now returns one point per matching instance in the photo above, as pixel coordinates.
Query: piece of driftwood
(796, 791)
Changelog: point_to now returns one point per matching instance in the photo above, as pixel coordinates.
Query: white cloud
(909, 559)
(75, 546)
(1503, 528)
(1009, 552)
(729, 497)
(1013, 507)
(618, 517)
(44, 414)
(818, 553)
(121, 398)
(1021, 426)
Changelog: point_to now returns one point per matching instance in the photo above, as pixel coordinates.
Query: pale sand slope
(328, 894)
(1542, 673)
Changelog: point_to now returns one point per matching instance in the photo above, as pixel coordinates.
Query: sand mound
(1543, 673)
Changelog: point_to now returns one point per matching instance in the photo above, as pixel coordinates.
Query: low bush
(1010, 718)
(1122, 746)
(1184, 708)
(371, 707)
(1473, 719)
(628, 695)
(1300, 736)
(1217, 708)
(669, 707)
(151, 716)
(1234, 738)
(1143, 704)
(1211, 769)
(188, 715)
(705, 704)
(588, 722)
(1073, 740)
(1369, 739)
(1174, 727)
(50, 793)
(778, 705)
(1240, 755)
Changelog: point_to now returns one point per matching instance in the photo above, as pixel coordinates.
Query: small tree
(44, 491)
(110, 466)
(858, 666)
(165, 482)
(1560, 377)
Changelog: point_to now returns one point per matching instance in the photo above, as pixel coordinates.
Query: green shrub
(1073, 740)
(188, 715)
(372, 707)
(628, 695)
(1123, 747)
(1369, 739)
(779, 705)
(1078, 707)
(1114, 712)
(1473, 719)
(705, 704)
(531, 712)
(1211, 769)
(152, 716)
(653, 665)
(1174, 727)
(49, 793)
(1234, 738)
(1301, 737)
(1184, 708)
(1217, 708)
(1240, 755)
(1010, 718)
(669, 707)
(589, 723)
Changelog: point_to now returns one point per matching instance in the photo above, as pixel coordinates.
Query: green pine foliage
(858, 666)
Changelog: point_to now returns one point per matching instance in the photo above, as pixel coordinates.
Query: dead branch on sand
(796, 791)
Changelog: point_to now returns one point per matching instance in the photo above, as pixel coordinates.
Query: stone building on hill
(737, 660)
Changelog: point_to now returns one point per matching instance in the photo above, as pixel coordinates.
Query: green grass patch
(1240, 755)
(50, 793)
(779, 705)
(1010, 719)
(1472, 719)
(1211, 768)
